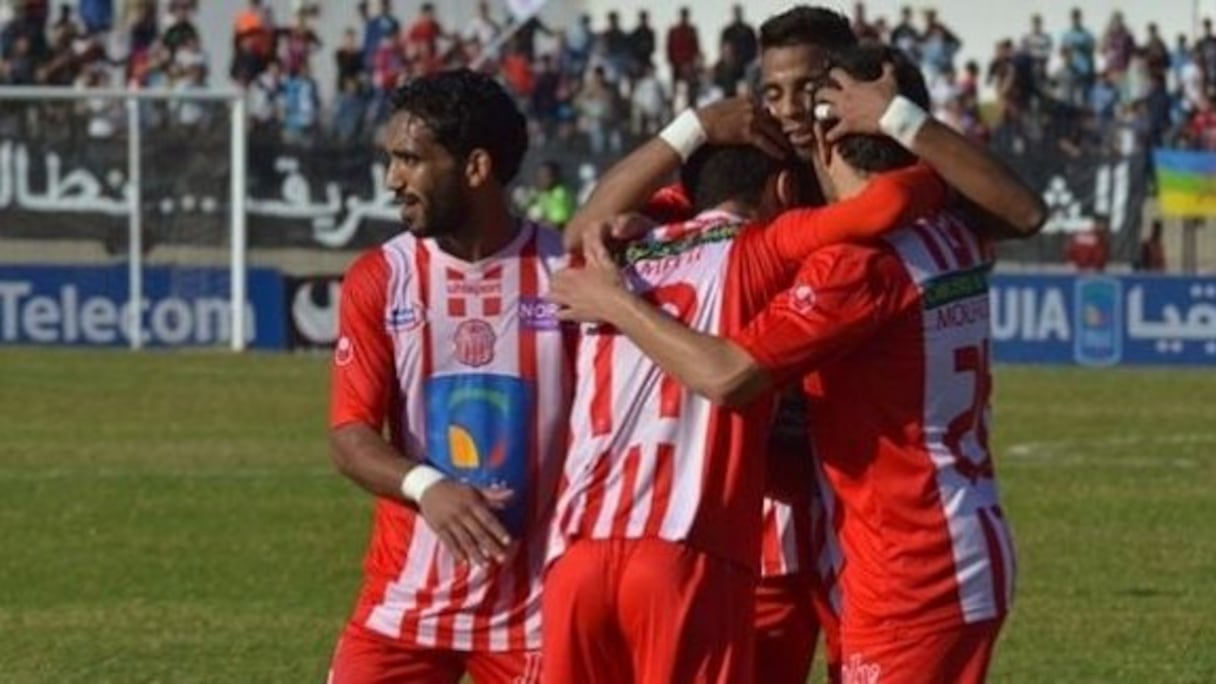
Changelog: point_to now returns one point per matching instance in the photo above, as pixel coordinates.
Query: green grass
(174, 518)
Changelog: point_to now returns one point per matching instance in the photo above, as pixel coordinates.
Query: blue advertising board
(87, 305)
(1104, 320)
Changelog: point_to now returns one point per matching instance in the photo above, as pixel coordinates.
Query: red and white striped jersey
(896, 337)
(648, 458)
(469, 369)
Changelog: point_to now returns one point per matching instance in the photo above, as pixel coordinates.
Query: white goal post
(235, 102)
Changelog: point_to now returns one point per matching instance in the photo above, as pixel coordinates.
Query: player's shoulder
(548, 241)
(370, 264)
(875, 260)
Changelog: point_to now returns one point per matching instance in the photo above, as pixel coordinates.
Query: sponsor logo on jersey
(1098, 322)
(957, 286)
(648, 250)
(536, 313)
(857, 671)
(479, 427)
(479, 287)
(474, 343)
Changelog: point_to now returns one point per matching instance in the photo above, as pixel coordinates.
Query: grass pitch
(174, 518)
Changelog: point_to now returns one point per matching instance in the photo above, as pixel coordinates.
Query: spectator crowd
(595, 86)
(592, 88)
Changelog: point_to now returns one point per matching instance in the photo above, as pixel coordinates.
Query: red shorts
(646, 610)
(786, 629)
(365, 657)
(959, 655)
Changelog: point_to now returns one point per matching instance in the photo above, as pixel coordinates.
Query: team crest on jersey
(857, 671)
(403, 318)
(344, 351)
(802, 299)
(479, 428)
(474, 343)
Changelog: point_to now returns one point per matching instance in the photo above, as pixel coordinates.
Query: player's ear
(479, 169)
(787, 190)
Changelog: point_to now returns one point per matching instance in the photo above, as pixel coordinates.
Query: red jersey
(647, 458)
(897, 338)
(468, 368)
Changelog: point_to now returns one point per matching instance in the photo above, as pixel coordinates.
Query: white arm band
(685, 134)
(418, 480)
(903, 120)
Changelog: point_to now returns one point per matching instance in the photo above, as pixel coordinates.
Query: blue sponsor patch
(479, 427)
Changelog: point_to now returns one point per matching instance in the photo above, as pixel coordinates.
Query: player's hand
(585, 293)
(856, 105)
(464, 521)
(742, 121)
(602, 239)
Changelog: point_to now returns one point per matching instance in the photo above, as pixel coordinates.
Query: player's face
(788, 77)
(426, 180)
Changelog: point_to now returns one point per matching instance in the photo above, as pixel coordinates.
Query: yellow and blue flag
(1186, 182)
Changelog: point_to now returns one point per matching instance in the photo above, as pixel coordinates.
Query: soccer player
(444, 341)
(890, 340)
(795, 49)
(657, 529)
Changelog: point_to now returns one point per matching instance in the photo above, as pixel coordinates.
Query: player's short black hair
(806, 25)
(720, 173)
(877, 153)
(467, 110)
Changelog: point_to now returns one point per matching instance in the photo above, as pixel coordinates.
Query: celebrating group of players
(721, 417)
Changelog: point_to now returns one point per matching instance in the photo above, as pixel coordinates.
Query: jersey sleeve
(670, 204)
(839, 298)
(890, 200)
(363, 371)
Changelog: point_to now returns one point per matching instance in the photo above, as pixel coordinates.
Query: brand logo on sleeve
(403, 318)
(802, 299)
(344, 351)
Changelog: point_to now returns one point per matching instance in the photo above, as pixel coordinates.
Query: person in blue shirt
(383, 25)
(1080, 43)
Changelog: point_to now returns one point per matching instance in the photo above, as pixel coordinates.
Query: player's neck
(487, 230)
(736, 208)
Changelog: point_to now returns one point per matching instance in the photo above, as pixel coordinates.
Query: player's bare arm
(713, 367)
(461, 515)
(1015, 210)
(632, 181)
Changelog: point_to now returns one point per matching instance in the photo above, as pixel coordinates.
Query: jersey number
(680, 301)
(975, 360)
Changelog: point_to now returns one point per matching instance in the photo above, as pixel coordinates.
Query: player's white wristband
(685, 135)
(903, 120)
(418, 480)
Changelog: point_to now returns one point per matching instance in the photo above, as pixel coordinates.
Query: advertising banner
(88, 305)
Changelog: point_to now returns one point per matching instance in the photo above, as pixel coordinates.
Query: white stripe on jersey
(931, 249)
(400, 596)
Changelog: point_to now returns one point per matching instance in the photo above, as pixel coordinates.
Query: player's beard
(441, 212)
